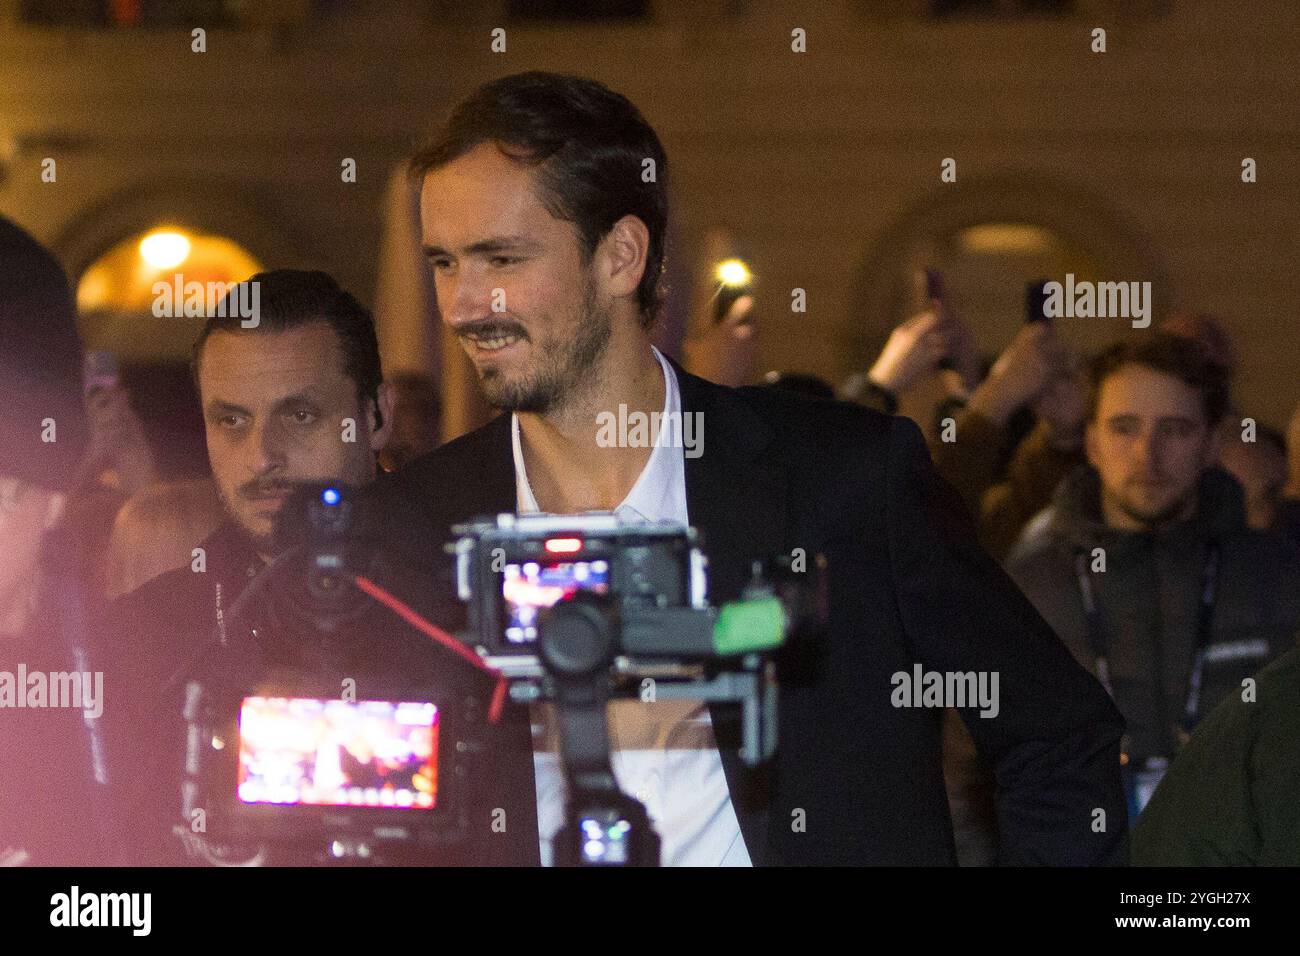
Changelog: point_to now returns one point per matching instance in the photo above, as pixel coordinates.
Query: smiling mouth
(492, 343)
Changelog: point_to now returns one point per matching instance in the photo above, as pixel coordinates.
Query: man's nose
(464, 299)
(1146, 450)
(268, 448)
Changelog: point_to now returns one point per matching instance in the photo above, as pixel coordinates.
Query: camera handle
(577, 643)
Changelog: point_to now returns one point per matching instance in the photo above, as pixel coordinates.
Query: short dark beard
(1156, 521)
(262, 544)
(563, 367)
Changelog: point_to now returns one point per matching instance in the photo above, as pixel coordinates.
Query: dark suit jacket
(856, 779)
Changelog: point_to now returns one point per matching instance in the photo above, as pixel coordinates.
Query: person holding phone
(934, 340)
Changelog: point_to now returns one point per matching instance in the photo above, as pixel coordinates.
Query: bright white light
(733, 272)
(165, 250)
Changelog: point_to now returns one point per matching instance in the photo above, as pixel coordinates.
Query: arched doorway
(208, 232)
(116, 294)
(229, 230)
(990, 238)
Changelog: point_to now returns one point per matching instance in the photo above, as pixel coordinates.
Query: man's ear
(381, 412)
(623, 254)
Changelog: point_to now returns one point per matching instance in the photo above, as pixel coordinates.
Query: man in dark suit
(543, 210)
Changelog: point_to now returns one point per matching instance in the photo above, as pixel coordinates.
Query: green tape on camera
(746, 627)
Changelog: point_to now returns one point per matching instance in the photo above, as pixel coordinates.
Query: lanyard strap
(1096, 631)
(1204, 620)
(1099, 642)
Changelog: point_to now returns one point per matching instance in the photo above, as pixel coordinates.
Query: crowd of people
(1148, 520)
(1110, 534)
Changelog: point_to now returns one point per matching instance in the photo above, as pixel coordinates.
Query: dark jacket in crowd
(152, 635)
(1150, 599)
(1286, 519)
(50, 780)
(1230, 799)
(907, 585)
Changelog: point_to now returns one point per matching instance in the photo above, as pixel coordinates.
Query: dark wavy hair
(1174, 355)
(588, 145)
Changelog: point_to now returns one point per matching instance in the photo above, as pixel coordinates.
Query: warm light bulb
(733, 272)
(165, 250)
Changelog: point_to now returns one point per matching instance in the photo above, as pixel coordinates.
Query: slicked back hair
(289, 298)
(588, 146)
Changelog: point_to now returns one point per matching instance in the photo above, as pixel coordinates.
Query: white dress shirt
(663, 752)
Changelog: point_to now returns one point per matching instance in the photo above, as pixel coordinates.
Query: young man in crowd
(1145, 565)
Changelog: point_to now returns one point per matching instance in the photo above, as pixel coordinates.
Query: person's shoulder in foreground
(817, 440)
(798, 413)
(1230, 797)
(809, 432)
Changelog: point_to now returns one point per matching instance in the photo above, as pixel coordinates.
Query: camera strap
(221, 615)
(1204, 622)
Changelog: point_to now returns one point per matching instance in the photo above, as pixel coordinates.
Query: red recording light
(563, 545)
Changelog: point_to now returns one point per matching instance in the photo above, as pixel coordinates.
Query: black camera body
(290, 764)
(653, 576)
(324, 723)
(579, 609)
(323, 728)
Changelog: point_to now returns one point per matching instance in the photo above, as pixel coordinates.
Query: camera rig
(575, 609)
(321, 724)
(579, 609)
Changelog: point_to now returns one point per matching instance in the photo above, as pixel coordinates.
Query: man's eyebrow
(488, 246)
(217, 405)
(1118, 416)
(297, 398)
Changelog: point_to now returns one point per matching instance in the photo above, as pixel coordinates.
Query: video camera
(577, 609)
(321, 720)
(321, 726)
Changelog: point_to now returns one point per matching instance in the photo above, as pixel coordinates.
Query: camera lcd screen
(338, 753)
(529, 586)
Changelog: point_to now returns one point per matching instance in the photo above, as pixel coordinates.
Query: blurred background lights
(165, 249)
(116, 293)
(733, 272)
